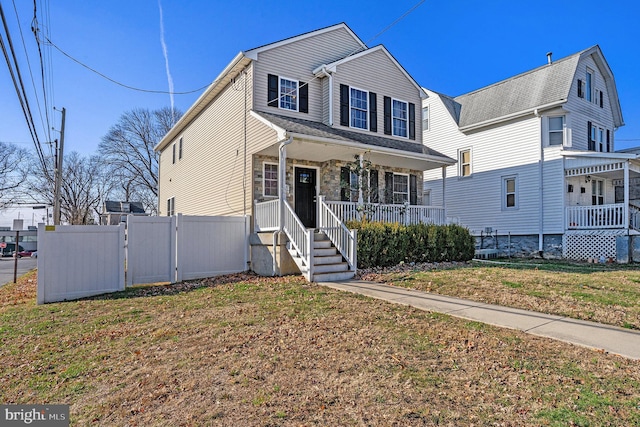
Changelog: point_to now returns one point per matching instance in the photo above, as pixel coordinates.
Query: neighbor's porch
(602, 192)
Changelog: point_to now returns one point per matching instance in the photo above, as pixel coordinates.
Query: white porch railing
(266, 215)
(596, 217)
(403, 214)
(634, 217)
(343, 239)
(300, 238)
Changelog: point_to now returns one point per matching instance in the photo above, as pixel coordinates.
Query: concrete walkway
(624, 342)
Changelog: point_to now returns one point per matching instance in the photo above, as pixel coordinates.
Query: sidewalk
(624, 342)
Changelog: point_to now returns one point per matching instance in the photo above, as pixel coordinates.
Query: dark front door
(305, 196)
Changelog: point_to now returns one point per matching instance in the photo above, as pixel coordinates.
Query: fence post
(176, 225)
(121, 256)
(354, 249)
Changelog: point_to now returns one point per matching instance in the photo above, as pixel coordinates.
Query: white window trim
(171, 206)
(394, 187)
(367, 111)
(393, 118)
(563, 131)
(600, 145)
(297, 98)
(589, 85)
(503, 197)
(264, 179)
(428, 119)
(460, 164)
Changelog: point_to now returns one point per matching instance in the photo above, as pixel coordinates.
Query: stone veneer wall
(328, 175)
(522, 246)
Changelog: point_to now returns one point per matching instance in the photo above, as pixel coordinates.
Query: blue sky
(452, 47)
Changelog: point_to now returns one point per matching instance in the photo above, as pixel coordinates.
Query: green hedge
(388, 244)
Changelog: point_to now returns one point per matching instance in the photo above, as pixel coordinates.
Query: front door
(305, 196)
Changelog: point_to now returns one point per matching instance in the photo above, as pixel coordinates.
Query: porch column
(282, 178)
(360, 179)
(625, 211)
(444, 187)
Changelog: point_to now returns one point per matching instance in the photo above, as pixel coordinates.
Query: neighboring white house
(276, 136)
(536, 165)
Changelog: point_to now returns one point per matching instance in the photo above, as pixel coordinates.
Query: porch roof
(344, 144)
(604, 165)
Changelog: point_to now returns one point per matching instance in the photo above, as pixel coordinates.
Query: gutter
(516, 115)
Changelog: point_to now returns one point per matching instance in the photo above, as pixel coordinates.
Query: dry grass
(602, 293)
(251, 351)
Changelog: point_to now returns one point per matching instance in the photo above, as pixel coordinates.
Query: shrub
(387, 244)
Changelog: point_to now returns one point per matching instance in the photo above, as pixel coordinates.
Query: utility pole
(58, 177)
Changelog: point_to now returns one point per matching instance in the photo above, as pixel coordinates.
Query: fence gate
(151, 249)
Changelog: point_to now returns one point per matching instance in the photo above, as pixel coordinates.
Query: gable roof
(333, 66)
(544, 87)
(237, 64)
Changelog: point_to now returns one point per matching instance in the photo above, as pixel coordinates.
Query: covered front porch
(602, 192)
(315, 178)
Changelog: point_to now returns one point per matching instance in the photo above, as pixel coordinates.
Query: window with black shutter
(601, 99)
(272, 90)
(344, 105)
(388, 187)
(591, 137)
(580, 88)
(413, 190)
(412, 121)
(608, 141)
(387, 115)
(374, 197)
(303, 90)
(345, 193)
(373, 112)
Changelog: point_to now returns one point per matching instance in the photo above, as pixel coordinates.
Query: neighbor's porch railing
(596, 217)
(634, 217)
(403, 214)
(344, 240)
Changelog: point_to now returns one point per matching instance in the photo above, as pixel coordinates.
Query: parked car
(10, 249)
(25, 254)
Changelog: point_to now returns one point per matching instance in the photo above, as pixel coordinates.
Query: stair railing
(343, 239)
(300, 238)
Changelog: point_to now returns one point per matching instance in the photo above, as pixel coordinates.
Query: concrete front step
(325, 252)
(332, 259)
(330, 268)
(333, 277)
(322, 244)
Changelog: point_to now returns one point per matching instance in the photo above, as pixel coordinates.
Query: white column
(360, 179)
(625, 212)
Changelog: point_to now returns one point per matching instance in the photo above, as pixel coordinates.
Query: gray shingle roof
(320, 130)
(541, 86)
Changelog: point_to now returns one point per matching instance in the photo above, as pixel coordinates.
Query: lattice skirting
(582, 245)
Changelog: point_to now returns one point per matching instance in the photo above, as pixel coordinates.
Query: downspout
(282, 175)
(540, 188)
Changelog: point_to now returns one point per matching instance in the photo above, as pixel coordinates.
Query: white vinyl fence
(76, 261)
(81, 261)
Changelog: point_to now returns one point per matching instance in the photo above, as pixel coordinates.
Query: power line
(117, 82)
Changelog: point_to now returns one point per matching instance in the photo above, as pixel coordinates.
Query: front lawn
(598, 292)
(248, 351)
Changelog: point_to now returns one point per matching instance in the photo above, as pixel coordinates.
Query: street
(6, 268)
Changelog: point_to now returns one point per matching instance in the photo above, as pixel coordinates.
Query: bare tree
(14, 163)
(127, 150)
(83, 188)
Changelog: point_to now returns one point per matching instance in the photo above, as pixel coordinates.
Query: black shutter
(272, 92)
(412, 121)
(601, 99)
(580, 92)
(303, 90)
(592, 143)
(345, 184)
(373, 112)
(413, 190)
(388, 187)
(387, 115)
(344, 105)
(608, 141)
(374, 197)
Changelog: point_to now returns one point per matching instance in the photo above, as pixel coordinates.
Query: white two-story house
(537, 172)
(298, 135)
